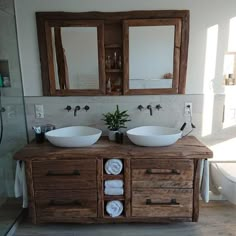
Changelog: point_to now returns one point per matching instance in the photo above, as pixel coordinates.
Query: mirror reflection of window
(80, 49)
(151, 53)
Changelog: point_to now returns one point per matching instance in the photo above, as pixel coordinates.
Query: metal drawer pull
(172, 172)
(51, 173)
(55, 203)
(172, 202)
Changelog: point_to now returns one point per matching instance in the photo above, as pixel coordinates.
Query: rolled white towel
(114, 191)
(116, 183)
(114, 208)
(204, 180)
(20, 183)
(113, 166)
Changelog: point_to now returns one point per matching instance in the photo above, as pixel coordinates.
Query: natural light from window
(209, 76)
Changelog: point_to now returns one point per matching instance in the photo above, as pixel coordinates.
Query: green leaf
(116, 120)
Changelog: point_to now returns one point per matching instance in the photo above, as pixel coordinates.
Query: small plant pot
(112, 135)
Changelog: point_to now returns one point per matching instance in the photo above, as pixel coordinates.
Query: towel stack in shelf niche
(113, 188)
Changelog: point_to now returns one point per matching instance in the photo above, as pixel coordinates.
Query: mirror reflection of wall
(151, 53)
(80, 47)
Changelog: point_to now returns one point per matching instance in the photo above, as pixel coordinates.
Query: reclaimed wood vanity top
(188, 147)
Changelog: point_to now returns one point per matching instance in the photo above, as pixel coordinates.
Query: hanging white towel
(114, 208)
(116, 183)
(20, 183)
(114, 191)
(204, 180)
(113, 166)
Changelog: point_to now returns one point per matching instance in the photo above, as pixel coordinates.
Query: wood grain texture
(171, 173)
(64, 174)
(53, 206)
(196, 185)
(161, 202)
(186, 148)
(128, 187)
(160, 184)
(180, 53)
(61, 60)
(110, 32)
(44, 26)
(100, 189)
(30, 190)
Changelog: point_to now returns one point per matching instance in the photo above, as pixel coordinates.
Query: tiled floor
(9, 211)
(216, 218)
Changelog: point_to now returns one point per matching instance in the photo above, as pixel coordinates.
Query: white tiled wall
(171, 114)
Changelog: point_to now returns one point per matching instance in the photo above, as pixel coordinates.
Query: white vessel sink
(74, 136)
(154, 136)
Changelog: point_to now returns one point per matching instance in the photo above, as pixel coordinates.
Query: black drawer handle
(51, 173)
(171, 172)
(72, 203)
(170, 203)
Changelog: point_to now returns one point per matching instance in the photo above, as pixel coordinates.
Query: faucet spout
(149, 107)
(77, 108)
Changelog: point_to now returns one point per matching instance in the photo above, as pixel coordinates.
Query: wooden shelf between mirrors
(117, 217)
(113, 198)
(111, 177)
(114, 70)
(113, 46)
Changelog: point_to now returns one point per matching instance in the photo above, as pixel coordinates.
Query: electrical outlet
(39, 111)
(188, 109)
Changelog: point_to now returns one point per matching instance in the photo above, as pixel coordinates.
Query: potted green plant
(115, 121)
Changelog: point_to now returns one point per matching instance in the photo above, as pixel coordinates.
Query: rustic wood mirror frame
(181, 37)
(45, 21)
(107, 24)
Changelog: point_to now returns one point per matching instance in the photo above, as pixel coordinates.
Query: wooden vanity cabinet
(160, 184)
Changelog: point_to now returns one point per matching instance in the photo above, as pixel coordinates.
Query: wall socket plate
(188, 109)
(39, 111)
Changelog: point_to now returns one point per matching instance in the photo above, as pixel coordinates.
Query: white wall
(204, 14)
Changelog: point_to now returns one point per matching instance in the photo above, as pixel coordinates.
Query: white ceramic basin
(153, 136)
(74, 136)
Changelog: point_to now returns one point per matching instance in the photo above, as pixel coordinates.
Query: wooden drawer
(162, 203)
(66, 205)
(63, 174)
(158, 173)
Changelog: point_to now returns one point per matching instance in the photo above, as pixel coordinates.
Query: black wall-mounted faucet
(68, 108)
(77, 108)
(86, 108)
(149, 107)
(140, 107)
(158, 107)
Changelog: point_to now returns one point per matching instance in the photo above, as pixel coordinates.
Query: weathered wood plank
(186, 148)
(162, 202)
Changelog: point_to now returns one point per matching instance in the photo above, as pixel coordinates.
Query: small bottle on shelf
(108, 62)
(115, 60)
(109, 85)
(119, 63)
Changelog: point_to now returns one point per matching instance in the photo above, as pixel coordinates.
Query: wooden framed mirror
(72, 55)
(113, 53)
(155, 55)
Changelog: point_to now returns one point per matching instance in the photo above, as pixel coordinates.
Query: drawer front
(162, 203)
(63, 174)
(65, 206)
(157, 173)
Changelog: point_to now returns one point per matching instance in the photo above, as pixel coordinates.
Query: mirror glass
(80, 49)
(151, 56)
